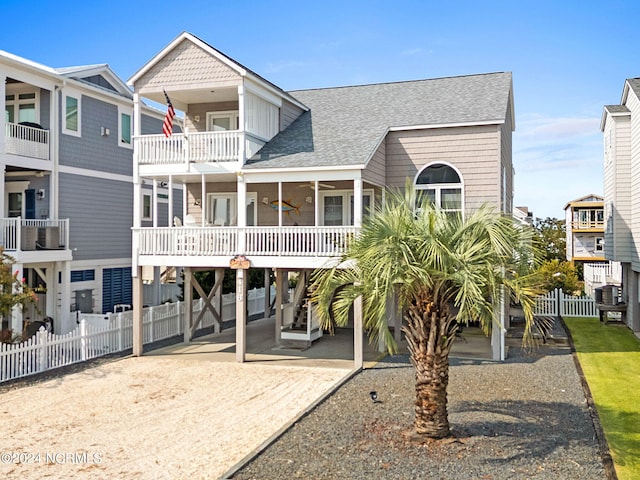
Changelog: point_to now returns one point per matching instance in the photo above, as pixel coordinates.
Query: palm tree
(444, 271)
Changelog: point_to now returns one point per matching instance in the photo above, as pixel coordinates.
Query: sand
(155, 417)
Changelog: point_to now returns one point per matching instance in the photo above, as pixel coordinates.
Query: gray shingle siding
(92, 150)
(150, 126)
(100, 216)
(45, 108)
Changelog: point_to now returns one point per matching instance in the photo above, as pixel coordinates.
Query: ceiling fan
(312, 185)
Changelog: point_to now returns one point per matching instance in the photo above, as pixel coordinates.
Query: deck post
(267, 294)
(280, 275)
(241, 315)
(188, 305)
(357, 334)
(137, 312)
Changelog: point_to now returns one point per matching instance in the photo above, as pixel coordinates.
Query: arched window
(441, 183)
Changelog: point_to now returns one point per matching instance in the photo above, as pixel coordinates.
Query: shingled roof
(345, 125)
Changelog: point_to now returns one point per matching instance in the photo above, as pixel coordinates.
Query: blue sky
(568, 58)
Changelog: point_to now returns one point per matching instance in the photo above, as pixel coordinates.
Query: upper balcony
(196, 147)
(34, 240)
(588, 225)
(27, 139)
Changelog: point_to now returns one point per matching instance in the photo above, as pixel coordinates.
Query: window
(71, 110)
(146, 206)
(221, 121)
(599, 244)
(124, 127)
(337, 208)
(83, 275)
(21, 107)
(221, 209)
(441, 184)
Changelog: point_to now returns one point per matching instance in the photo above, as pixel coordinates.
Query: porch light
(265, 200)
(308, 200)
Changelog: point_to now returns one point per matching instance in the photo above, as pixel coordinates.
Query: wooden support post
(241, 315)
(278, 305)
(357, 334)
(267, 293)
(188, 304)
(137, 313)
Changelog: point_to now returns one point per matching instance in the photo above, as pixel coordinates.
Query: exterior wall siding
(288, 113)
(472, 150)
(617, 185)
(375, 170)
(201, 109)
(92, 150)
(187, 64)
(506, 157)
(634, 106)
(100, 216)
(45, 109)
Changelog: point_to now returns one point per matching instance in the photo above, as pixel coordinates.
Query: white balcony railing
(257, 241)
(199, 147)
(27, 141)
(588, 224)
(18, 234)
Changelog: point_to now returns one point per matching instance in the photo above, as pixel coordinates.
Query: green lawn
(610, 359)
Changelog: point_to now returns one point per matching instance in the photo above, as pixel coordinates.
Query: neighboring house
(523, 215)
(281, 181)
(584, 225)
(621, 128)
(67, 181)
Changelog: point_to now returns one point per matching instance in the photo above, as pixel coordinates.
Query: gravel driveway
(521, 419)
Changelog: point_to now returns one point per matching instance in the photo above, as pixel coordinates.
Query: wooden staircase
(299, 318)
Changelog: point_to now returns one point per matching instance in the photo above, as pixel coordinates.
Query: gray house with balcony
(67, 186)
(282, 180)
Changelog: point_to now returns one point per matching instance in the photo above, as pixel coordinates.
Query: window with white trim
(147, 206)
(337, 207)
(442, 185)
(125, 127)
(221, 209)
(221, 121)
(21, 106)
(599, 244)
(71, 107)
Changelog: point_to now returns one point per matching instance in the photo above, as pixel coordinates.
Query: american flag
(167, 125)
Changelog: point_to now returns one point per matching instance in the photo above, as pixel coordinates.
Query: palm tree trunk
(429, 333)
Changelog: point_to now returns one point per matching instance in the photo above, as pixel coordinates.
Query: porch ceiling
(183, 97)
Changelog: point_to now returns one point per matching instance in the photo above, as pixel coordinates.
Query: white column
(3, 131)
(241, 124)
(170, 206)
(241, 220)
(278, 304)
(357, 334)
(267, 293)
(357, 202)
(154, 194)
(64, 290)
(188, 304)
(137, 119)
(137, 312)
(241, 315)
(203, 197)
(16, 312)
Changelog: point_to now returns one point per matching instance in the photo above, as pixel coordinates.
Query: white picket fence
(97, 335)
(557, 303)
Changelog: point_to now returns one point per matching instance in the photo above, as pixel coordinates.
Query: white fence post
(42, 350)
(151, 330)
(83, 340)
(120, 331)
